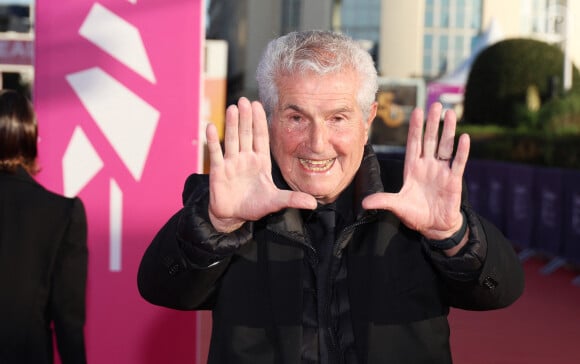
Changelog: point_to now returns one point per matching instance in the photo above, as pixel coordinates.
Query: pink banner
(117, 92)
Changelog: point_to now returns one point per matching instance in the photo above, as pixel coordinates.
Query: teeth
(316, 165)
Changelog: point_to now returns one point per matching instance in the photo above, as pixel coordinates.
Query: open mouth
(317, 165)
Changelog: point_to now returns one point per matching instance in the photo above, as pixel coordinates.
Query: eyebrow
(293, 107)
(302, 111)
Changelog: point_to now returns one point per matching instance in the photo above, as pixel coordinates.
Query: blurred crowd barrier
(537, 208)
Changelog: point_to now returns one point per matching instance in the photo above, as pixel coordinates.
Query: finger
(245, 128)
(461, 156)
(415, 135)
(216, 158)
(445, 149)
(261, 139)
(231, 137)
(431, 130)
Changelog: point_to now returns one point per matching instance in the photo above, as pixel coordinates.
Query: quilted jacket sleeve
(182, 266)
(486, 273)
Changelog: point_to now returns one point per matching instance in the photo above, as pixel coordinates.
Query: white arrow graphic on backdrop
(118, 38)
(127, 121)
(80, 163)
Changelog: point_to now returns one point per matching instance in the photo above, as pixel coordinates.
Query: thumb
(297, 200)
(380, 201)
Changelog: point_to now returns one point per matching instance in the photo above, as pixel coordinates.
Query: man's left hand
(429, 200)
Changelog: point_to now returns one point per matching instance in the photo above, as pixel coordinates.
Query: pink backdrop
(117, 92)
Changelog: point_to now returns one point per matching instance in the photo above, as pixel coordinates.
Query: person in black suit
(43, 251)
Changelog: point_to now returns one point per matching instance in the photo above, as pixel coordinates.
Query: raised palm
(430, 198)
(241, 185)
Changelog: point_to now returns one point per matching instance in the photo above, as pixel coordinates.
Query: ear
(372, 115)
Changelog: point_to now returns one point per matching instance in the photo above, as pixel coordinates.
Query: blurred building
(17, 47)
(248, 25)
(432, 37)
(409, 39)
(424, 39)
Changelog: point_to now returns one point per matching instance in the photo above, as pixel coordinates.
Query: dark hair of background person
(18, 133)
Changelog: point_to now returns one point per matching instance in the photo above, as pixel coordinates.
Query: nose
(318, 137)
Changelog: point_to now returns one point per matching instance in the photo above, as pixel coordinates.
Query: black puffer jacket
(399, 290)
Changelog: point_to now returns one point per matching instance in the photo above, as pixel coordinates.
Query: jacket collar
(367, 179)
(19, 174)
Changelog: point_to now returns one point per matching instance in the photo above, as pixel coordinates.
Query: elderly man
(305, 246)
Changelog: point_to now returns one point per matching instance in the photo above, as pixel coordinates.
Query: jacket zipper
(313, 258)
(334, 345)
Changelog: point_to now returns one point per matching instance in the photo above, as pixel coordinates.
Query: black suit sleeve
(67, 300)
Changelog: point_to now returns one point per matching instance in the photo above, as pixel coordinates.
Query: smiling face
(318, 133)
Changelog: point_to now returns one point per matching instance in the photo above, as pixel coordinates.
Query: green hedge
(526, 147)
(502, 74)
(514, 114)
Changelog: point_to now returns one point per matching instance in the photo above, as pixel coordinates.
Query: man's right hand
(240, 180)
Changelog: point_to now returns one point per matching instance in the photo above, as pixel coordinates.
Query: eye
(295, 122)
(338, 118)
(296, 118)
